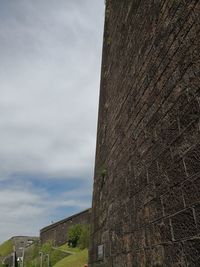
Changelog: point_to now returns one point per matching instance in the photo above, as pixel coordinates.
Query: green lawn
(32, 258)
(77, 260)
(67, 248)
(6, 248)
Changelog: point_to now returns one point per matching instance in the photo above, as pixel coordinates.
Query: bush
(84, 237)
(78, 235)
(74, 234)
(6, 248)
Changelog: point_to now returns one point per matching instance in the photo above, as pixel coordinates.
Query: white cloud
(49, 82)
(25, 209)
(19, 211)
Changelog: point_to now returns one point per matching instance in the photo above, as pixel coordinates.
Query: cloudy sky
(50, 54)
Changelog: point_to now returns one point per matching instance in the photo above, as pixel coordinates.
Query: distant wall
(146, 201)
(57, 232)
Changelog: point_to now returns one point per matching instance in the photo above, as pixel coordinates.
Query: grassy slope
(67, 248)
(6, 248)
(32, 258)
(76, 260)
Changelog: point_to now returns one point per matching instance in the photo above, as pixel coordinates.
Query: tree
(74, 234)
(83, 241)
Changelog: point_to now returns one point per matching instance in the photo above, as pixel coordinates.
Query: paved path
(63, 250)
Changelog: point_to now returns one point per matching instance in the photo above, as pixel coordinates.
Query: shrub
(74, 234)
(78, 235)
(6, 248)
(83, 241)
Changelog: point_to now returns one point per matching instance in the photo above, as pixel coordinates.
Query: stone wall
(146, 201)
(57, 232)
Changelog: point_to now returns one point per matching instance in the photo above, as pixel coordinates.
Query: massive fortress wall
(57, 232)
(146, 202)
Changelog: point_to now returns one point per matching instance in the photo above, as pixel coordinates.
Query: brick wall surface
(57, 232)
(146, 200)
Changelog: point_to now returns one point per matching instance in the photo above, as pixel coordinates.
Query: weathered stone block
(153, 171)
(155, 209)
(192, 160)
(184, 225)
(174, 255)
(197, 216)
(177, 172)
(192, 113)
(192, 252)
(191, 190)
(158, 233)
(172, 201)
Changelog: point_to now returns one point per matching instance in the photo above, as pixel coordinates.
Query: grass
(76, 260)
(32, 258)
(67, 248)
(6, 248)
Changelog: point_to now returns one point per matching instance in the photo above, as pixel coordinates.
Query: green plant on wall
(109, 41)
(107, 12)
(103, 173)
